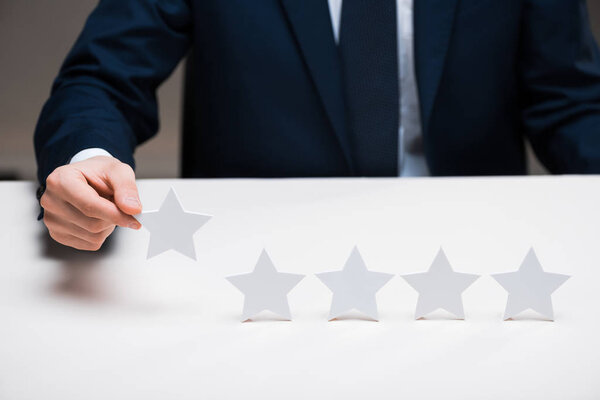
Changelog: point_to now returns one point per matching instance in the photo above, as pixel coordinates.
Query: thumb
(122, 180)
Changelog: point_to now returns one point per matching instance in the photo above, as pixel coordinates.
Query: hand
(84, 201)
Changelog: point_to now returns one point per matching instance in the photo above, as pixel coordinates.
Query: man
(317, 88)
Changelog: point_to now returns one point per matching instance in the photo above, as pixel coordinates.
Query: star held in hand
(354, 287)
(440, 287)
(530, 288)
(172, 228)
(265, 289)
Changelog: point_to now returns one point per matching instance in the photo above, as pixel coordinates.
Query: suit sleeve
(105, 94)
(560, 73)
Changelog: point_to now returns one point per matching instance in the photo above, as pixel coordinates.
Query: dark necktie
(368, 48)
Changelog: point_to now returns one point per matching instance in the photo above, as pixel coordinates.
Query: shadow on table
(81, 276)
(86, 277)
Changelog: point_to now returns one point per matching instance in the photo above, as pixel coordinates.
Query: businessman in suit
(282, 88)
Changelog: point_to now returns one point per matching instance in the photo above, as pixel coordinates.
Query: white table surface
(112, 325)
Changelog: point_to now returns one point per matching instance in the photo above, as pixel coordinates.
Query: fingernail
(132, 201)
(135, 225)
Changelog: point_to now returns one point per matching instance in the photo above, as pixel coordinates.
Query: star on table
(530, 288)
(440, 287)
(172, 228)
(265, 289)
(354, 287)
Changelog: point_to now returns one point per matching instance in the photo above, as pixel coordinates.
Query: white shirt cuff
(89, 153)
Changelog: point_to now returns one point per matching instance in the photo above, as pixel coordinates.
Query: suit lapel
(311, 24)
(433, 21)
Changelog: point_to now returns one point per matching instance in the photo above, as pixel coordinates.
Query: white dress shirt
(411, 161)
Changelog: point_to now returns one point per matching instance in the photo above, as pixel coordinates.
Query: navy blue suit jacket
(269, 97)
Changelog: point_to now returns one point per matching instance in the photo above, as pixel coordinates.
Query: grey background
(35, 36)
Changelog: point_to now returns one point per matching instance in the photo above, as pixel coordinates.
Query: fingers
(122, 181)
(71, 186)
(68, 213)
(75, 242)
(60, 224)
(72, 235)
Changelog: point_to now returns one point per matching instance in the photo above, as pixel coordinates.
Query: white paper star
(440, 287)
(354, 287)
(265, 289)
(172, 228)
(530, 288)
